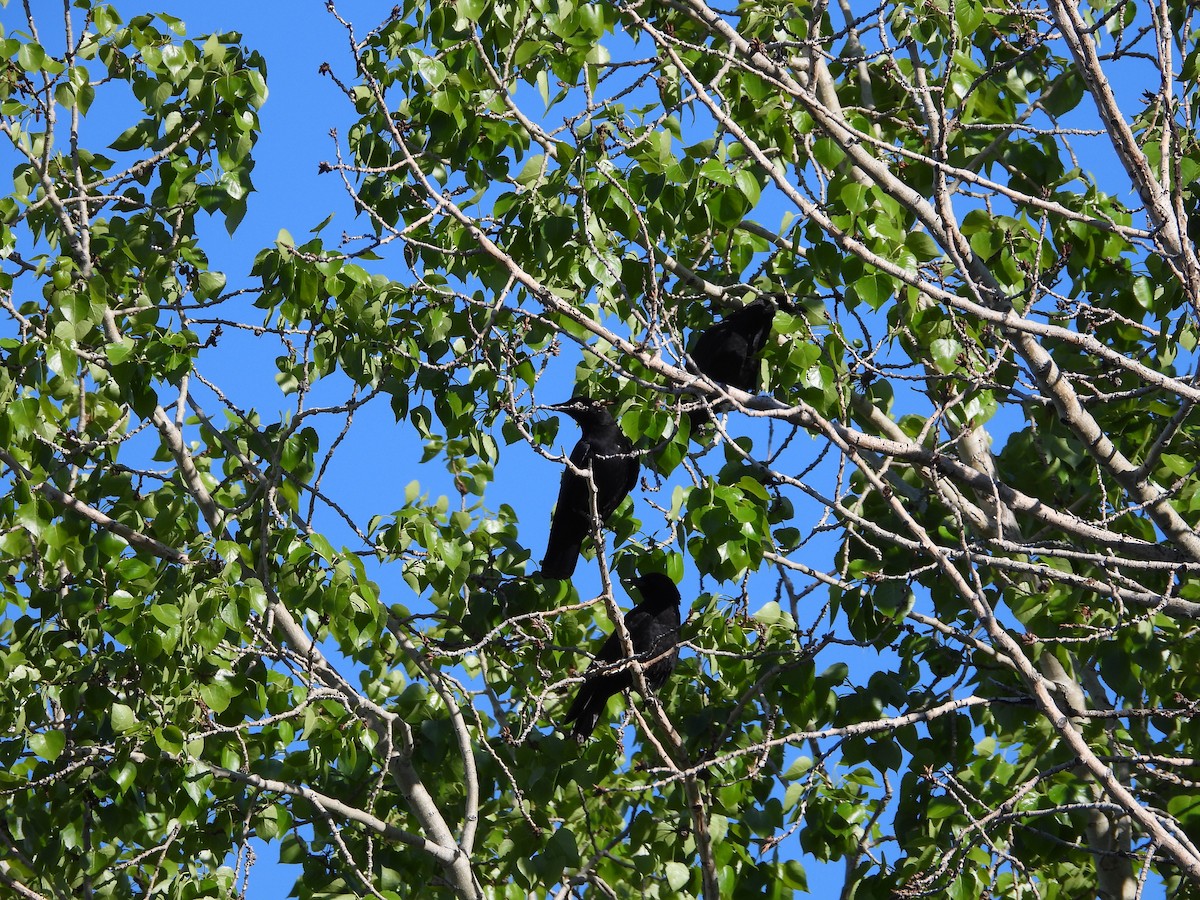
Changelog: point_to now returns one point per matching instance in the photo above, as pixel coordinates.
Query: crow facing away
(728, 350)
(653, 627)
(605, 449)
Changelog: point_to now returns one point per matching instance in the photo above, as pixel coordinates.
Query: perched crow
(609, 454)
(653, 627)
(728, 351)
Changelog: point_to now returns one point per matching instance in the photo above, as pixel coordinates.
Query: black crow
(728, 350)
(653, 627)
(608, 453)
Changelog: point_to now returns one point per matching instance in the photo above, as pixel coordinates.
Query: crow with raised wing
(727, 351)
(605, 450)
(653, 627)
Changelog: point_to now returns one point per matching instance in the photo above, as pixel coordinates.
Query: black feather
(653, 627)
(728, 350)
(605, 449)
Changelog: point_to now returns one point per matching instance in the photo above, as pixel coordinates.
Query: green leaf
(678, 875)
(968, 17)
(874, 290)
(748, 185)
(945, 352)
(24, 415)
(431, 70)
(166, 613)
(718, 826)
(48, 744)
(942, 807)
(471, 9)
(216, 695)
(119, 351)
(209, 285)
(923, 247)
(31, 57)
(532, 171)
(125, 776)
(768, 614)
(169, 739)
(122, 718)
(293, 850)
(321, 544)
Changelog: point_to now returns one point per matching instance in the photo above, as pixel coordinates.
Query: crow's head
(657, 588)
(584, 410)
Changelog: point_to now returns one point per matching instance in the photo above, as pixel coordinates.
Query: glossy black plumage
(653, 627)
(605, 449)
(727, 351)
